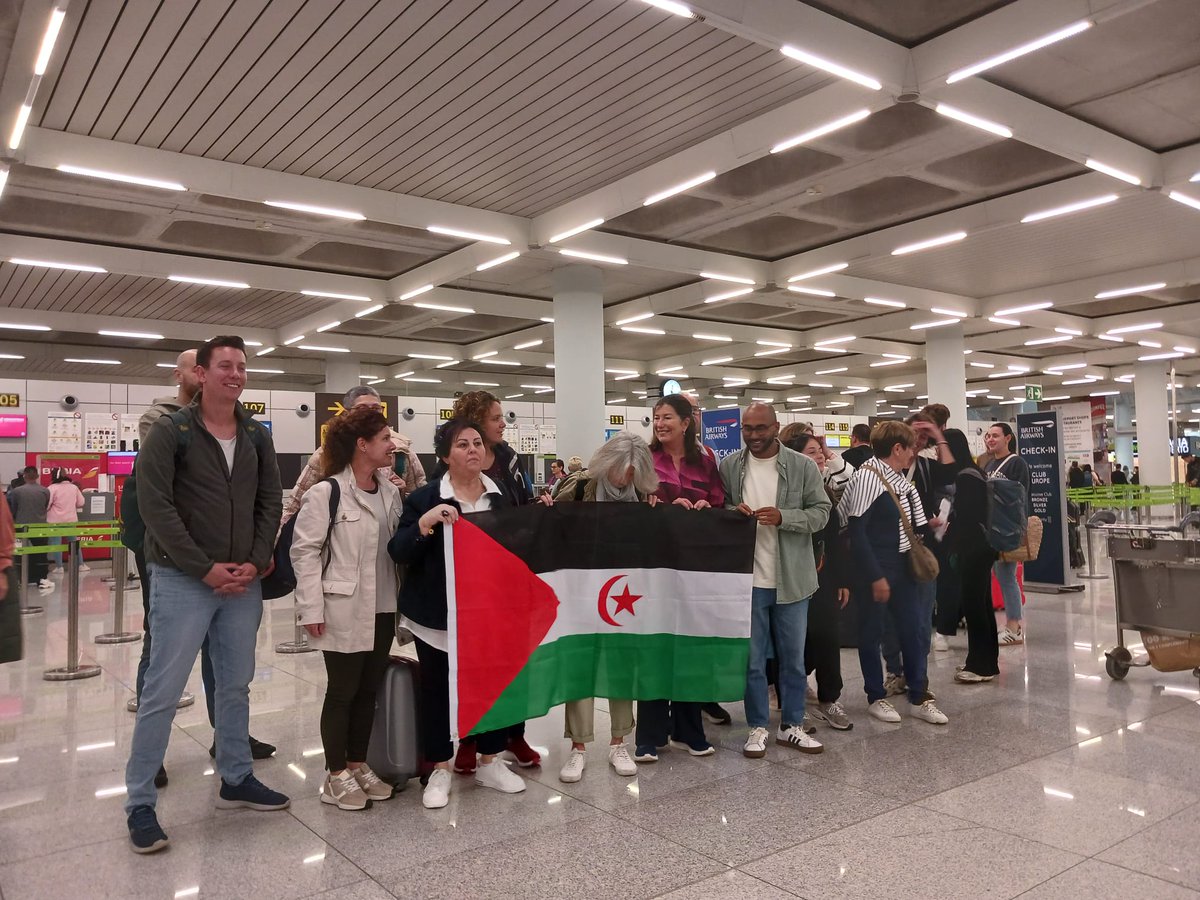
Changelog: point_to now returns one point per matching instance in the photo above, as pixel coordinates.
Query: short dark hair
(359, 390)
(204, 354)
(29, 473)
(939, 412)
(558, 462)
(887, 434)
(342, 434)
(448, 432)
(861, 433)
(1006, 430)
(799, 440)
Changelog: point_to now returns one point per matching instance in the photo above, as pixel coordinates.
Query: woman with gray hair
(623, 471)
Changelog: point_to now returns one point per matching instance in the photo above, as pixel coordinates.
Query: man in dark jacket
(860, 446)
(28, 502)
(209, 493)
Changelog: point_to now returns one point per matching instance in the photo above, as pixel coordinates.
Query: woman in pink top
(66, 500)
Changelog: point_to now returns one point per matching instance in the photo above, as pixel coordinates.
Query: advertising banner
(1040, 445)
(1076, 423)
(722, 431)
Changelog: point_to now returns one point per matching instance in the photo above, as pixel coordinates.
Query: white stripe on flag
(670, 601)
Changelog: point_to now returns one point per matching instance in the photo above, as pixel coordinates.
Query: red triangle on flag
(504, 612)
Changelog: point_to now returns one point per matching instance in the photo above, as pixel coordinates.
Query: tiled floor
(1053, 781)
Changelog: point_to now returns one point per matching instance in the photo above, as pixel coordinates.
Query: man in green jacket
(784, 491)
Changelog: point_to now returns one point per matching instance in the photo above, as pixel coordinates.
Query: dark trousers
(822, 647)
(949, 594)
(909, 618)
(349, 709)
(39, 563)
(660, 720)
(983, 646)
(435, 709)
(206, 667)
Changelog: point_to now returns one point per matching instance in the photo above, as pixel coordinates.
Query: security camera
(510, 417)
(303, 409)
(408, 414)
(69, 401)
(645, 421)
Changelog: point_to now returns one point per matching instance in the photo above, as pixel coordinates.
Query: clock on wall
(671, 386)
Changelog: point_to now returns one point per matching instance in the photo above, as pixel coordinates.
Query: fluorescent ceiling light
(15, 356)
(1111, 337)
(819, 384)
(773, 352)
(713, 337)
(1028, 307)
(534, 387)
(168, 365)
(1183, 349)
(896, 388)
(527, 344)
(404, 374)
(739, 292)
(424, 380)
(512, 396)
(1037, 342)
(370, 309)
(620, 372)
(716, 361)
(331, 296)
(936, 323)
(888, 362)
(1154, 344)
(211, 282)
(1174, 195)
(316, 210)
(320, 348)
(1089, 380)
(595, 257)
(819, 62)
(782, 379)
(638, 329)
(448, 363)
(126, 179)
(1127, 177)
(896, 356)
(1153, 356)
(626, 377)
(679, 188)
(982, 365)
(1036, 44)
(855, 390)
(483, 383)
(952, 112)
(266, 371)
(328, 326)
(1074, 332)
(816, 292)
(1125, 292)
(939, 241)
(96, 362)
(45, 264)
(640, 317)
(997, 320)
(416, 292)
(3, 178)
(824, 270)
(1104, 394)
(672, 7)
(799, 398)
(1130, 329)
(375, 381)
(1053, 399)
(1069, 208)
(1066, 367)
(736, 279)
(879, 301)
(468, 235)
(492, 361)
(578, 229)
(265, 351)
(941, 311)
(442, 307)
(427, 356)
(482, 267)
(831, 371)
(14, 139)
(48, 39)
(773, 344)
(668, 370)
(139, 335)
(825, 342)
(727, 406)
(821, 130)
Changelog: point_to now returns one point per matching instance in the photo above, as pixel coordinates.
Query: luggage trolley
(1156, 580)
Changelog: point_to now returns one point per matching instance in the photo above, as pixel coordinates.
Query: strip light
(831, 371)
(936, 323)
(679, 188)
(595, 257)
(774, 344)
(888, 362)
(824, 270)
(1174, 195)
(938, 241)
(815, 292)
(672, 7)
(819, 62)
(370, 309)
(317, 210)
(527, 344)
(416, 292)
(3, 179)
(773, 351)
(137, 335)
(880, 301)
(95, 362)
(328, 326)
(1125, 292)
(578, 229)
(125, 179)
(1130, 329)
(428, 356)
(736, 279)
(716, 361)
(499, 260)
(442, 307)
(321, 348)
(1106, 169)
(48, 39)
(953, 112)
(725, 339)
(640, 317)
(728, 295)
(1037, 342)
(211, 282)
(1070, 208)
(294, 340)
(468, 235)
(821, 130)
(637, 329)
(359, 297)
(942, 311)
(45, 264)
(265, 371)
(14, 139)
(1154, 356)
(1020, 50)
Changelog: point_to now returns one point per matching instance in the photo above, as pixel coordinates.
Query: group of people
(368, 558)
(31, 502)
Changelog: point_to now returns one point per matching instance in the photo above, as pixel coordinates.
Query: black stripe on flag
(623, 535)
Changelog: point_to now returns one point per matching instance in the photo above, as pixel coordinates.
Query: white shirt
(227, 447)
(761, 488)
(386, 585)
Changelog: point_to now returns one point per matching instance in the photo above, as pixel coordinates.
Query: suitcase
(394, 752)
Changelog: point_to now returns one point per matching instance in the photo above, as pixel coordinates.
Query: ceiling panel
(908, 22)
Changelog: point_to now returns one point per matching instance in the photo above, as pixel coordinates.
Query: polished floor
(1053, 781)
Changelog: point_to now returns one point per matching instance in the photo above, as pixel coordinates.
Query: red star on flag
(625, 601)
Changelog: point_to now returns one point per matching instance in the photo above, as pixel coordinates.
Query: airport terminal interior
(846, 209)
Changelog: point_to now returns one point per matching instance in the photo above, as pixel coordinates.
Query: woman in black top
(972, 558)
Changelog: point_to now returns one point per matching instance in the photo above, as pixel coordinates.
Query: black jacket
(423, 594)
(858, 455)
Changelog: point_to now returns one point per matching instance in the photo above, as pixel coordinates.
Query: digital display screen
(12, 426)
(831, 440)
(120, 462)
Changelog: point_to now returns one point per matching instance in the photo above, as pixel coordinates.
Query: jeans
(927, 596)
(1006, 575)
(910, 617)
(660, 720)
(788, 622)
(206, 667)
(352, 680)
(183, 610)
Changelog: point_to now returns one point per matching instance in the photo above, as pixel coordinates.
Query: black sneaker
(258, 749)
(251, 794)
(160, 780)
(145, 834)
(716, 713)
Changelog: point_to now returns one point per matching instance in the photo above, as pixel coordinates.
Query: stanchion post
(1091, 557)
(117, 636)
(72, 671)
(299, 644)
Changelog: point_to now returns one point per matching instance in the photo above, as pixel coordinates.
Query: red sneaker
(466, 759)
(526, 755)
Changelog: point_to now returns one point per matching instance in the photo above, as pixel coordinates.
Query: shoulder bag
(922, 564)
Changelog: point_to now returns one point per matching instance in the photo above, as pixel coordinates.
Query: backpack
(282, 580)
(133, 529)
(1006, 519)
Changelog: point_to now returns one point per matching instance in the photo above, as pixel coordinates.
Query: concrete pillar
(579, 359)
(946, 371)
(865, 405)
(341, 373)
(1123, 429)
(1153, 426)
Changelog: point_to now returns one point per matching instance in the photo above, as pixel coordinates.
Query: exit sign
(1033, 392)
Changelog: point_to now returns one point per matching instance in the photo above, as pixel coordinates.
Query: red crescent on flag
(602, 605)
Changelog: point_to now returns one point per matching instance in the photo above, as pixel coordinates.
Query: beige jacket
(344, 596)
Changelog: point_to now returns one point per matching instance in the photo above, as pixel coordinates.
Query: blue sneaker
(251, 794)
(145, 834)
(645, 753)
(700, 748)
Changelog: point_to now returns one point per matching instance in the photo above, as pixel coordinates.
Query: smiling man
(784, 491)
(208, 491)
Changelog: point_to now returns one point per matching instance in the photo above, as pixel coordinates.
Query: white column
(946, 371)
(579, 359)
(341, 373)
(1123, 430)
(1153, 427)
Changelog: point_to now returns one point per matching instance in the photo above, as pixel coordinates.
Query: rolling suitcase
(394, 752)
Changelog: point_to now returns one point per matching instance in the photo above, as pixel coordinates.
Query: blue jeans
(183, 610)
(788, 622)
(909, 613)
(926, 597)
(1006, 575)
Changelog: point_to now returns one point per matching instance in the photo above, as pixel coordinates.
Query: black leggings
(349, 709)
(983, 646)
(823, 645)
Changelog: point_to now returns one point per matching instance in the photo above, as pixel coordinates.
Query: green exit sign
(1033, 392)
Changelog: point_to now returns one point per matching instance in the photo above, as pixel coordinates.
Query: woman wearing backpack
(346, 586)
(1001, 443)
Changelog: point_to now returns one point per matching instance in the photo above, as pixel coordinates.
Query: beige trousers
(581, 723)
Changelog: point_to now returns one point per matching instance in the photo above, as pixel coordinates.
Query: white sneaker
(928, 712)
(437, 789)
(84, 567)
(810, 693)
(793, 736)
(884, 711)
(619, 759)
(344, 791)
(572, 769)
(940, 643)
(498, 776)
(46, 584)
(756, 743)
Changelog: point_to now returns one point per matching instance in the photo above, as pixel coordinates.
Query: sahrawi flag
(582, 600)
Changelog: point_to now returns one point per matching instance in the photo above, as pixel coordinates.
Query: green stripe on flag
(633, 666)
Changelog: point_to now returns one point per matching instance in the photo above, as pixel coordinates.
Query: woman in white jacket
(346, 594)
